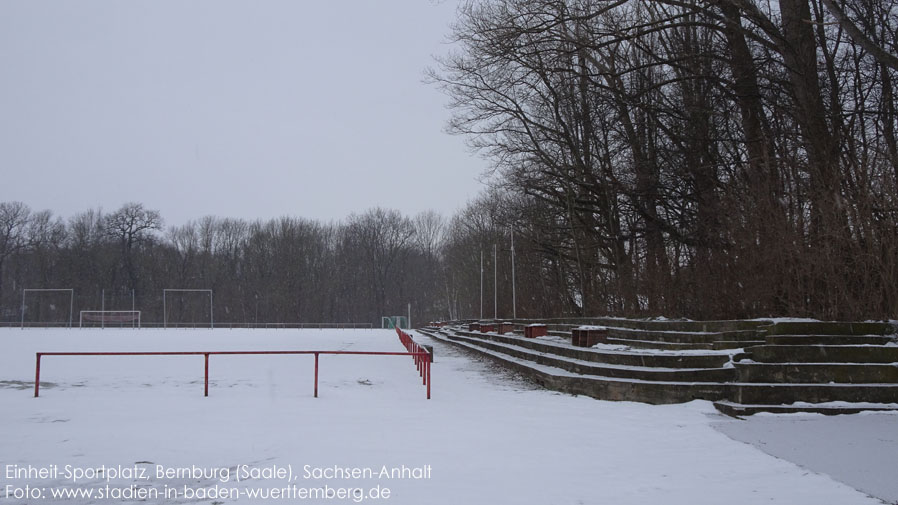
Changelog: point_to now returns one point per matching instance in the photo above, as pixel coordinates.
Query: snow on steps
(585, 367)
(675, 359)
(603, 388)
(782, 383)
(827, 339)
(848, 373)
(829, 409)
(824, 353)
(674, 339)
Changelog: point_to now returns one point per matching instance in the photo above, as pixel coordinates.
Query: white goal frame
(103, 312)
(165, 307)
(71, 301)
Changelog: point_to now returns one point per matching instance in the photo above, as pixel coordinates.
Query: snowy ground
(860, 450)
(486, 437)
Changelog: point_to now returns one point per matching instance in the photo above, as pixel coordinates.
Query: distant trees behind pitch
(281, 270)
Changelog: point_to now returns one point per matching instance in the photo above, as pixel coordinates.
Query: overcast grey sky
(249, 108)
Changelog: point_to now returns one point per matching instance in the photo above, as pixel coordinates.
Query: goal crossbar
(165, 307)
(71, 300)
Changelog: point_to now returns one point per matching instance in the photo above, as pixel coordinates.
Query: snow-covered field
(485, 437)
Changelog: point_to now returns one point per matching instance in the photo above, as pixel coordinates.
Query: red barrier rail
(421, 355)
(416, 355)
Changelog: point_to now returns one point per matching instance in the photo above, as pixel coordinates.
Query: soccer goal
(47, 306)
(186, 310)
(104, 318)
(391, 322)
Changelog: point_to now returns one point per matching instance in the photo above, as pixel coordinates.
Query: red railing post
(37, 376)
(428, 378)
(316, 375)
(206, 393)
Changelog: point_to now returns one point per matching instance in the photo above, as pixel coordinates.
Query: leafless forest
(721, 159)
(730, 158)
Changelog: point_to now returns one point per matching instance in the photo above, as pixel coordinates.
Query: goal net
(187, 308)
(112, 318)
(400, 322)
(47, 306)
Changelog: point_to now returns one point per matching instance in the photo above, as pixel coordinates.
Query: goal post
(183, 290)
(104, 317)
(71, 292)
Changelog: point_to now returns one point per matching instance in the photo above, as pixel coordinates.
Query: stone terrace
(744, 366)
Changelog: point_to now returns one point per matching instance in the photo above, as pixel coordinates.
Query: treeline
(734, 158)
(283, 270)
(722, 159)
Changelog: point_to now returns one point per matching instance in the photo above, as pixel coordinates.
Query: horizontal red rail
(37, 370)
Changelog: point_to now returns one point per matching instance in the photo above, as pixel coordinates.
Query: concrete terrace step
(646, 373)
(829, 328)
(616, 357)
(736, 344)
(740, 410)
(685, 337)
(850, 373)
(675, 340)
(788, 366)
(777, 393)
(829, 339)
(659, 392)
(824, 354)
(654, 344)
(602, 388)
(656, 324)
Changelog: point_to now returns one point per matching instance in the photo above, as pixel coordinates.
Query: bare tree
(131, 226)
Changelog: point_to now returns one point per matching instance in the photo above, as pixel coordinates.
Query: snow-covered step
(829, 339)
(687, 337)
(582, 367)
(849, 373)
(612, 354)
(603, 388)
(654, 324)
(829, 409)
(830, 328)
(736, 344)
(654, 344)
(825, 353)
(657, 392)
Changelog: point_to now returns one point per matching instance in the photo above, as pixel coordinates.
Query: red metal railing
(421, 355)
(417, 355)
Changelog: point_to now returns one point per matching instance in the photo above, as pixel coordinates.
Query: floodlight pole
(495, 284)
(514, 305)
(481, 284)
